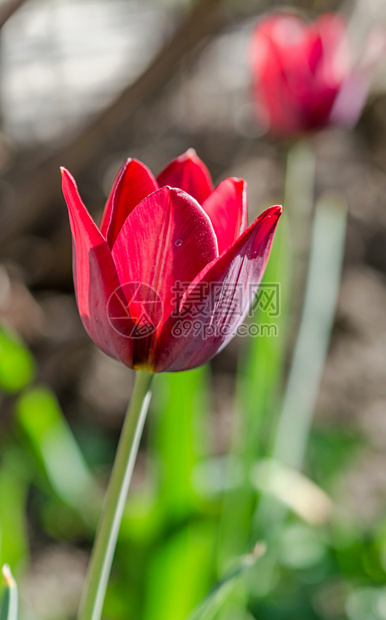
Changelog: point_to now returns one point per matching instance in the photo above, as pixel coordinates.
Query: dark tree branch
(8, 9)
(42, 184)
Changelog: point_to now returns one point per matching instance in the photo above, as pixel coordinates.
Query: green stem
(324, 274)
(106, 537)
(322, 288)
(299, 203)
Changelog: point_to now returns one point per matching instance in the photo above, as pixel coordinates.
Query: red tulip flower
(169, 275)
(304, 74)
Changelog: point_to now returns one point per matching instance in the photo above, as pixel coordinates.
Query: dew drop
(178, 243)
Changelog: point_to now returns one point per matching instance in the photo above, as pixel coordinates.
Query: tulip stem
(107, 533)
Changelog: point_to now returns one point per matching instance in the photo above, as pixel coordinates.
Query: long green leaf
(17, 366)
(180, 572)
(14, 478)
(9, 602)
(328, 242)
(323, 280)
(180, 402)
(56, 451)
(258, 380)
(217, 595)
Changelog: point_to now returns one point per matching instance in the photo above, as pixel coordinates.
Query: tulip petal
(331, 28)
(167, 240)
(299, 69)
(227, 208)
(189, 173)
(217, 301)
(275, 43)
(95, 277)
(133, 183)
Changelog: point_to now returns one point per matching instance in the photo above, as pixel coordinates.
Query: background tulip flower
(304, 75)
(168, 250)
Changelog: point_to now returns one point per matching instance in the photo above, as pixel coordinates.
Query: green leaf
(17, 366)
(9, 603)
(180, 572)
(14, 477)
(217, 595)
(323, 281)
(258, 379)
(321, 293)
(181, 400)
(260, 370)
(57, 453)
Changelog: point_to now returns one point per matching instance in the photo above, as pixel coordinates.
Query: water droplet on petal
(178, 243)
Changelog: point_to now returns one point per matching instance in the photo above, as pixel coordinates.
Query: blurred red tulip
(169, 275)
(304, 74)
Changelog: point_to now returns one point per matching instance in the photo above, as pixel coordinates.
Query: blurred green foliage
(9, 601)
(17, 366)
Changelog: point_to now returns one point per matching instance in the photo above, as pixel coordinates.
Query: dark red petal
(227, 208)
(226, 289)
(95, 277)
(167, 239)
(298, 70)
(133, 183)
(189, 173)
(276, 48)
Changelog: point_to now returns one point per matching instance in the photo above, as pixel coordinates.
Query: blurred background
(85, 84)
